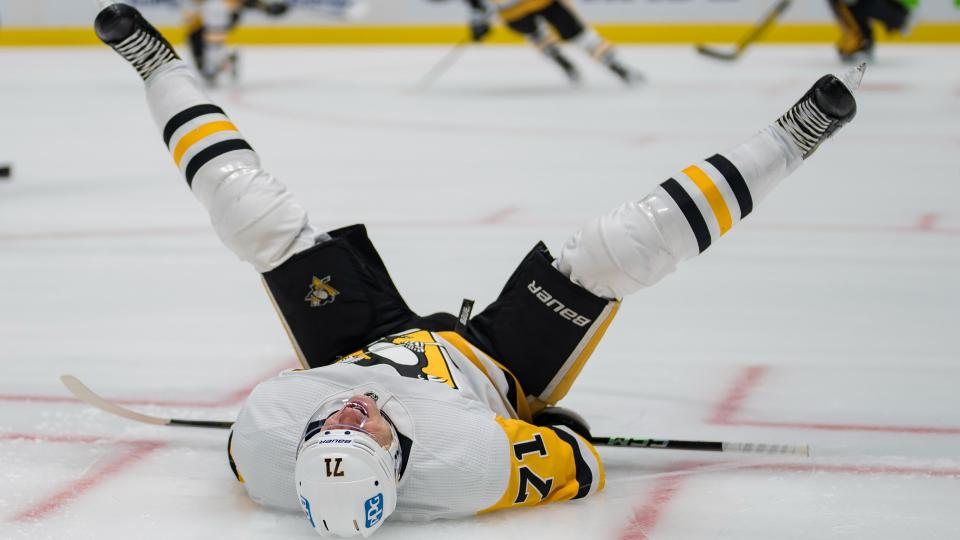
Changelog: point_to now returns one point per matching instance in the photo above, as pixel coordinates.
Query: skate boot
(126, 31)
(824, 109)
(627, 75)
(573, 75)
(274, 8)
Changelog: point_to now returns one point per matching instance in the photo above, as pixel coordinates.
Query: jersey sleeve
(547, 464)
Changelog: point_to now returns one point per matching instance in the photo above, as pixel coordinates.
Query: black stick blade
(719, 55)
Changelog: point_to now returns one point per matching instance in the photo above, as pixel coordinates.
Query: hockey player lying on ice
(398, 413)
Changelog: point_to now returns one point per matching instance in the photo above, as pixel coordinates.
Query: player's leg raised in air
(638, 243)
(255, 215)
(635, 245)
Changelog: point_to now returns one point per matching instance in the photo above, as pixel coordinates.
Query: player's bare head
(348, 467)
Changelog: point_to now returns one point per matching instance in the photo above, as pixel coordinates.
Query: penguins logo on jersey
(321, 292)
(414, 354)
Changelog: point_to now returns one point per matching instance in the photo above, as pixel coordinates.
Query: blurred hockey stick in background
(443, 65)
(758, 30)
(84, 394)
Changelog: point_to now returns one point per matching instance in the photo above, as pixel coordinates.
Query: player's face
(362, 413)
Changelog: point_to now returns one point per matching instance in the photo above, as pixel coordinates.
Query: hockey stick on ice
(87, 396)
(754, 34)
(704, 446)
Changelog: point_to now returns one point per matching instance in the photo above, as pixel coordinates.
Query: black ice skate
(566, 65)
(126, 31)
(627, 75)
(824, 109)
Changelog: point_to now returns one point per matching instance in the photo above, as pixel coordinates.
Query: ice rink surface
(828, 317)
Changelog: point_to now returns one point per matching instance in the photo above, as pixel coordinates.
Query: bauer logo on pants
(556, 305)
(321, 292)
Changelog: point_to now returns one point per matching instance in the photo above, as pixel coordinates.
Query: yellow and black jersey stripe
(712, 196)
(511, 10)
(199, 134)
(548, 464)
(510, 389)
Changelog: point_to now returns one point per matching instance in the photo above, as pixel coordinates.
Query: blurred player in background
(437, 416)
(856, 18)
(209, 23)
(545, 23)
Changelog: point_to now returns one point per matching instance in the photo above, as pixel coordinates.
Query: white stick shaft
(754, 448)
(87, 396)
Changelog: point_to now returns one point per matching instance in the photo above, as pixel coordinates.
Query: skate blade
(853, 76)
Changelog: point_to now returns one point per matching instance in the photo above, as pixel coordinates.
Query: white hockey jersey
(455, 408)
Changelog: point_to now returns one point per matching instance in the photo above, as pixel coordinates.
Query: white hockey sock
(595, 45)
(640, 242)
(541, 37)
(216, 15)
(253, 213)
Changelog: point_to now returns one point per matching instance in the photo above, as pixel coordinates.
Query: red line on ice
(749, 378)
(645, 517)
(883, 87)
(921, 430)
(853, 228)
(138, 450)
(857, 469)
(927, 222)
(499, 216)
(410, 224)
(231, 398)
(648, 513)
(34, 437)
(101, 233)
(725, 411)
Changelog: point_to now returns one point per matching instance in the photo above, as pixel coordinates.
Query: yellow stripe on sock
(201, 132)
(713, 195)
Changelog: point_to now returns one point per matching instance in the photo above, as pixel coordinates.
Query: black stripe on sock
(213, 151)
(733, 177)
(584, 475)
(690, 211)
(183, 117)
